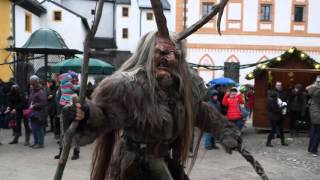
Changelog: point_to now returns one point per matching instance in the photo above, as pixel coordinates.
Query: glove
(69, 114)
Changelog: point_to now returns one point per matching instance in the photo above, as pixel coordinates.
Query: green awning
(96, 66)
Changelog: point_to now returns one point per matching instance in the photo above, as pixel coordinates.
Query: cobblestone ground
(18, 162)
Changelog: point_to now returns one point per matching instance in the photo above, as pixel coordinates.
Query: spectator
(3, 104)
(209, 140)
(274, 110)
(297, 106)
(52, 104)
(250, 100)
(314, 92)
(38, 105)
(68, 89)
(16, 104)
(232, 100)
(221, 92)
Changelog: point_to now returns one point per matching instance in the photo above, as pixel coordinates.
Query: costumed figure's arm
(210, 120)
(105, 112)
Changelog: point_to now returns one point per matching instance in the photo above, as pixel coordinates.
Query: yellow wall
(5, 28)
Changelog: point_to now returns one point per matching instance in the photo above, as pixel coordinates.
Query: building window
(125, 33)
(57, 15)
(207, 8)
(299, 13)
(93, 11)
(125, 12)
(28, 22)
(149, 16)
(265, 12)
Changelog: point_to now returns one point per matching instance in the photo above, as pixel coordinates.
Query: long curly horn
(160, 18)
(217, 9)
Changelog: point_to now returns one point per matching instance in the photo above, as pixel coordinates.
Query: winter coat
(39, 102)
(250, 100)
(297, 103)
(314, 108)
(16, 100)
(233, 104)
(67, 89)
(273, 109)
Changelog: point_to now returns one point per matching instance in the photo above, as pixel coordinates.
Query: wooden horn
(160, 18)
(217, 9)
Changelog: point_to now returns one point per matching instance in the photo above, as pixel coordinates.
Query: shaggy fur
(161, 113)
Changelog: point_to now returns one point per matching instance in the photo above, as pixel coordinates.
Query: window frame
(28, 22)
(123, 33)
(303, 13)
(54, 16)
(264, 17)
(122, 12)
(206, 11)
(147, 17)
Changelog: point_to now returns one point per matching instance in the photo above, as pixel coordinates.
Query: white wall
(314, 16)
(250, 15)
(283, 14)
(84, 7)
(21, 35)
(132, 23)
(70, 28)
(219, 56)
(255, 40)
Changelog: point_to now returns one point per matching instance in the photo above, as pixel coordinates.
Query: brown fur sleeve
(107, 109)
(210, 120)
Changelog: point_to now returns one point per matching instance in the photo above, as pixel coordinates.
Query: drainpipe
(185, 15)
(13, 14)
(114, 21)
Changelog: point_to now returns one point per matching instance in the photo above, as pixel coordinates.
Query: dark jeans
(314, 139)
(19, 119)
(209, 140)
(38, 133)
(295, 116)
(276, 126)
(238, 123)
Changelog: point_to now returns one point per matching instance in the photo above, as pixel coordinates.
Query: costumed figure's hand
(75, 112)
(231, 140)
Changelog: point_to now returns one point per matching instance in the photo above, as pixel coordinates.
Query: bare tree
(67, 139)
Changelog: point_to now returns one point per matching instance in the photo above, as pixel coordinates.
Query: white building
(29, 16)
(252, 31)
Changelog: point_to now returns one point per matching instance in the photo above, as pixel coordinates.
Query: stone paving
(281, 163)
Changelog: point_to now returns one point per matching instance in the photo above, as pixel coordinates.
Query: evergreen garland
(292, 52)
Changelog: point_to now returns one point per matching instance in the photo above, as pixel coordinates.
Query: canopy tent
(96, 66)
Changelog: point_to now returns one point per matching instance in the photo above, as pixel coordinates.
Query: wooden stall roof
(271, 64)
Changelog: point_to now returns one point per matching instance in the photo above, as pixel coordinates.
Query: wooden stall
(290, 68)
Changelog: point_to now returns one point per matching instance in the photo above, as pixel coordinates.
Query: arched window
(233, 58)
(206, 74)
(263, 58)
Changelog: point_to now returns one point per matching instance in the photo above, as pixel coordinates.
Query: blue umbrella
(223, 81)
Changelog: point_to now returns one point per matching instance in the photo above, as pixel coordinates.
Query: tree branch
(67, 138)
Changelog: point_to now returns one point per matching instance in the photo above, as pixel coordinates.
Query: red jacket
(233, 104)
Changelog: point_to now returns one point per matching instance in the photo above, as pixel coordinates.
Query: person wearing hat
(209, 140)
(232, 100)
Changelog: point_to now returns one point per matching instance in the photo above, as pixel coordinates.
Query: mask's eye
(164, 52)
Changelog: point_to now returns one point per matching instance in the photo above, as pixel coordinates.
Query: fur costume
(144, 125)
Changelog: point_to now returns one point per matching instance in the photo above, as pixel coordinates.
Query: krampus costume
(144, 114)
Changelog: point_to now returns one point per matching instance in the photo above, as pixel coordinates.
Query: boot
(268, 144)
(15, 140)
(75, 155)
(58, 155)
(27, 140)
(283, 143)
